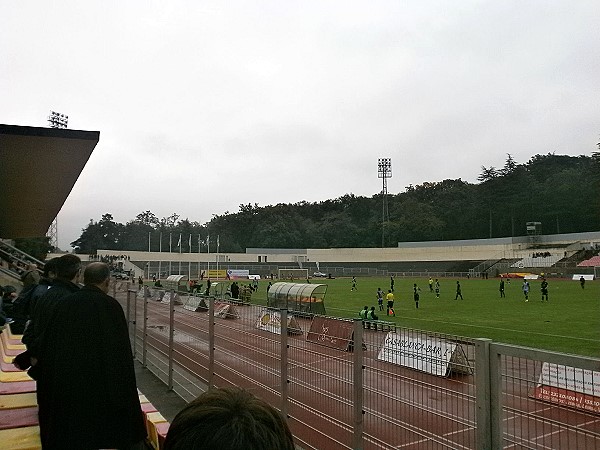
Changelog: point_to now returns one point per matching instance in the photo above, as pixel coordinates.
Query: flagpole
(190, 259)
(160, 251)
(198, 256)
(149, 241)
(218, 236)
(208, 255)
(170, 250)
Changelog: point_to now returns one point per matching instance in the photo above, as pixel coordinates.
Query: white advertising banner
(271, 321)
(235, 274)
(421, 352)
(571, 378)
(569, 386)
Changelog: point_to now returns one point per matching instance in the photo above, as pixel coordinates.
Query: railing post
(482, 393)
(127, 309)
(128, 319)
(496, 422)
(211, 342)
(171, 338)
(134, 323)
(145, 329)
(357, 385)
(284, 361)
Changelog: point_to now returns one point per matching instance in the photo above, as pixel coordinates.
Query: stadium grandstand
(28, 208)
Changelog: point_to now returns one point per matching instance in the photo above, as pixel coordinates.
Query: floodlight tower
(384, 171)
(56, 120)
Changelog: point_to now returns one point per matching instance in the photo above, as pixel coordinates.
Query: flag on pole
(190, 244)
(179, 243)
(218, 236)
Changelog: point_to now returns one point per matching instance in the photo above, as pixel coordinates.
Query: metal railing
(375, 388)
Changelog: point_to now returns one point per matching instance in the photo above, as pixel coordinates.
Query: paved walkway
(166, 402)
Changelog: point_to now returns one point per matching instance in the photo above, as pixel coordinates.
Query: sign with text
(428, 354)
(271, 321)
(569, 386)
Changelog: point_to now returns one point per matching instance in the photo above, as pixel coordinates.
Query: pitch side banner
(271, 321)
(569, 386)
(236, 274)
(425, 353)
(218, 274)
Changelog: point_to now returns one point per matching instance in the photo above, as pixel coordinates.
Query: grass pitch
(569, 322)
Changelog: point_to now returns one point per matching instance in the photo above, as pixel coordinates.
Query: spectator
(68, 268)
(229, 419)
(30, 277)
(87, 366)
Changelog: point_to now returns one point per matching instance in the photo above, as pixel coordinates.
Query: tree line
(562, 192)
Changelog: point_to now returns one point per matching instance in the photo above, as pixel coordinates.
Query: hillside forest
(562, 192)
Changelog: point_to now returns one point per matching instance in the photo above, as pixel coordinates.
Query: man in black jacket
(68, 268)
(88, 368)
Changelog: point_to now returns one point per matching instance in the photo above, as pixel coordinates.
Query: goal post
(292, 274)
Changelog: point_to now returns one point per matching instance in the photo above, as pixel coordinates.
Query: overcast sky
(205, 105)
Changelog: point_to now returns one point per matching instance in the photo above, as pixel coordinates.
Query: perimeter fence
(348, 384)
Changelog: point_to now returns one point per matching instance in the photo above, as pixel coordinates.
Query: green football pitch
(569, 322)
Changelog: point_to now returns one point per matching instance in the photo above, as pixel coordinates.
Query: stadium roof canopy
(38, 169)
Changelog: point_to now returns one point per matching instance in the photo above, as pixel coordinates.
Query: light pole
(384, 171)
(56, 120)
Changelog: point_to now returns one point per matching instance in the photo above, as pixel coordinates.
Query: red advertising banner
(330, 332)
(566, 397)
(569, 386)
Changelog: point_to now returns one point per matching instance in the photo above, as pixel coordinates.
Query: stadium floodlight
(58, 120)
(384, 171)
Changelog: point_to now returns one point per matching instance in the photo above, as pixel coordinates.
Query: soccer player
(502, 295)
(544, 289)
(525, 289)
(437, 288)
(416, 291)
(458, 291)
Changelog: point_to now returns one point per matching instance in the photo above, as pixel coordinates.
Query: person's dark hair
(96, 273)
(67, 267)
(50, 266)
(229, 419)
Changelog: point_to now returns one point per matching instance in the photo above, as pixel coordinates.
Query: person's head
(372, 308)
(9, 293)
(50, 268)
(97, 274)
(366, 307)
(229, 419)
(68, 267)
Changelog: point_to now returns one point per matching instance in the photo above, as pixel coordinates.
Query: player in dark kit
(544, 289)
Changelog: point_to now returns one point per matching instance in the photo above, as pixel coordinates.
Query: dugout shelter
(298, 297)
(177, 282)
